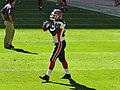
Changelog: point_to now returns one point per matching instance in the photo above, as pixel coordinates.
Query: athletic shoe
(40, 8)
(66, 76)
(10, 47)
(45, 77)
(7, 47)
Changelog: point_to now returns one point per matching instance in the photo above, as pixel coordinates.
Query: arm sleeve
(2, 11)
(11, 14)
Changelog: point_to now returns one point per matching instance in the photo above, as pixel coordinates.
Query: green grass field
(93, 56)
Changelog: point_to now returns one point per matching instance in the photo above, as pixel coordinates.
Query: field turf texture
(27, 15)
(93, 56)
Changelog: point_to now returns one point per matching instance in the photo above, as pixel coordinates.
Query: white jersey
(57, 30)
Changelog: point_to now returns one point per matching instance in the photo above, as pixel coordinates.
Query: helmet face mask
(56, 14)
(52, 17)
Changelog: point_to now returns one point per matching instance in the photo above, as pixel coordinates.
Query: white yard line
(90, 53)
(94, 53)
(83, 69)
(93, 40)
(69, 41)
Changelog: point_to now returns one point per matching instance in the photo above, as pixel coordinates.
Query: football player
(57, 29)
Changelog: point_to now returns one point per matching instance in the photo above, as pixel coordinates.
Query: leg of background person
(7, 35)
(12, 33)
(117, 2)
(40, 4)
(65, 5)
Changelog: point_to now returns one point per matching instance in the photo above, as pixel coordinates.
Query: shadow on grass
(23, 51)
(76, 86)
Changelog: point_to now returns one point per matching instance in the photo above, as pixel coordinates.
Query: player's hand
(45, 25)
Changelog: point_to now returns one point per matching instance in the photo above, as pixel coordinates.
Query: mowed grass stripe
(41, 41)
(91, 53)
(44, 69)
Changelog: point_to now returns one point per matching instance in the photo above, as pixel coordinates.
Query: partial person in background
(117, 2)
(40, 4)
(58, 2)
(7, 14)
(63, 5)
(6, 2)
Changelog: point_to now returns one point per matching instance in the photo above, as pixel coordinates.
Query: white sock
(48, 72)
(67, 71)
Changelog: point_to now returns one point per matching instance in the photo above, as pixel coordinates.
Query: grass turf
(93, 57)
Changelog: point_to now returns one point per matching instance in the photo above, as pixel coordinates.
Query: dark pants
(59, 51)
(40, 3)
(63, 3)
(9, 33)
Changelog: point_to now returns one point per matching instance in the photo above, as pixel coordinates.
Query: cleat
(45, 77)
(66, 76)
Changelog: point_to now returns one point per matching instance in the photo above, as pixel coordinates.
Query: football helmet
(56, 14)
